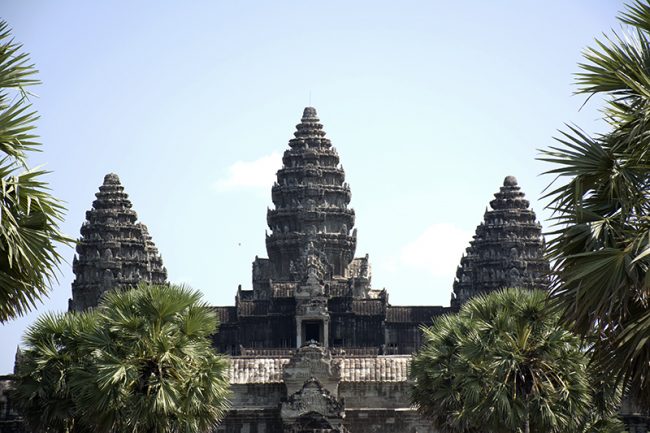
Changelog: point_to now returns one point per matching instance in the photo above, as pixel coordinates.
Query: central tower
(311, 205)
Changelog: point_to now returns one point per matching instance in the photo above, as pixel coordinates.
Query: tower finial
(510, 181)
(111, 179)
(309, 113)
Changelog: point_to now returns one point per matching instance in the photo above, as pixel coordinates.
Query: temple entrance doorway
(313, 331)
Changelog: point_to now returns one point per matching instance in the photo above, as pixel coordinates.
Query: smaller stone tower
(507, 249)
(114, 251)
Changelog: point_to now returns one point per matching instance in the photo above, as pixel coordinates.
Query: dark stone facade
(114, 251)
(10, 421)
(507, 249)
(313, 347)
(311, 207)
(311, 287)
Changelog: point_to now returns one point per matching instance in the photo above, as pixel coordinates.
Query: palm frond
(128, 365)
(29, 215)
(502, 359)
(600, 198)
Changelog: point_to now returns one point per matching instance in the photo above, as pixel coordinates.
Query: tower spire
(114, 251)
(507, 249)
(311, 204)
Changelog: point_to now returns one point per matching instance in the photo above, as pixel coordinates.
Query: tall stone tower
(507, 249)
(311, 204)
(114, 251)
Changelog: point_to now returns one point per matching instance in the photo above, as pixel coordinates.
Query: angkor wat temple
(313, 347)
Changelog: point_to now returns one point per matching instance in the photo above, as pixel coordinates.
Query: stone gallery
(313, 347)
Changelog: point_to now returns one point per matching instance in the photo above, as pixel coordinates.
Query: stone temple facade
(313, 347)
(312, 288)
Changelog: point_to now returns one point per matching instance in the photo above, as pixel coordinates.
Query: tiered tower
(114, 251)
(311, 205)
(157, 272)
(507, 249)
(311, 289)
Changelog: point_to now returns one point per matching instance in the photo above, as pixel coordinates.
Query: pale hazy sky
(430, 105)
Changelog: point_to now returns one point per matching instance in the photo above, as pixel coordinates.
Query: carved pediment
(312, 307)
(310, 288)
(311, 362)
(312, 398)
(312, 266)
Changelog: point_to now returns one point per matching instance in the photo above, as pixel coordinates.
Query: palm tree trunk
(527, 419)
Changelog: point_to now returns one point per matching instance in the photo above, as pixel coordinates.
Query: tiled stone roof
(256, 370)
(226, 314)
(253, 308)
(390, 368)
(414, 314)
(368, 307)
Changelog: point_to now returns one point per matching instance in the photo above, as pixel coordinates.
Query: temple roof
(383, 368)
(114, 249)
(413, 314)
(507, 249)
(245, 370)
(389, 368)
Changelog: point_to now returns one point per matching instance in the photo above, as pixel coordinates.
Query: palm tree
(29, 215)
(140, 362)
(53, 350)
(600, 247)
(503, 364)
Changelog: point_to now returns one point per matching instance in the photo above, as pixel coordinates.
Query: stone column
(298, 332)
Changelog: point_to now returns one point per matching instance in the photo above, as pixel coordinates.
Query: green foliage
(53, 351)
(29, 215)
(504, 364)
(141, 362)
(600, 244)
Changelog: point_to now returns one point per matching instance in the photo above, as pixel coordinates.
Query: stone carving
(311, 307)
(312, 398)
(131, 258)
(310, 173)
(157, 271)
(506, 251)
(311, 268)
(312, 362)
(312, 422)
(360, 268)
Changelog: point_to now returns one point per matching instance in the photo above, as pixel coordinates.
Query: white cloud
(259, 173)
(438, 249)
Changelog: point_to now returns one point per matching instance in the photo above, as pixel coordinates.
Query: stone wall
(10, 421)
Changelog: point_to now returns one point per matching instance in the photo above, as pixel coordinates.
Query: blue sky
(430, 105)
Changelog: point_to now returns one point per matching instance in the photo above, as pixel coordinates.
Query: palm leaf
(600, 198)
(29, 215)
